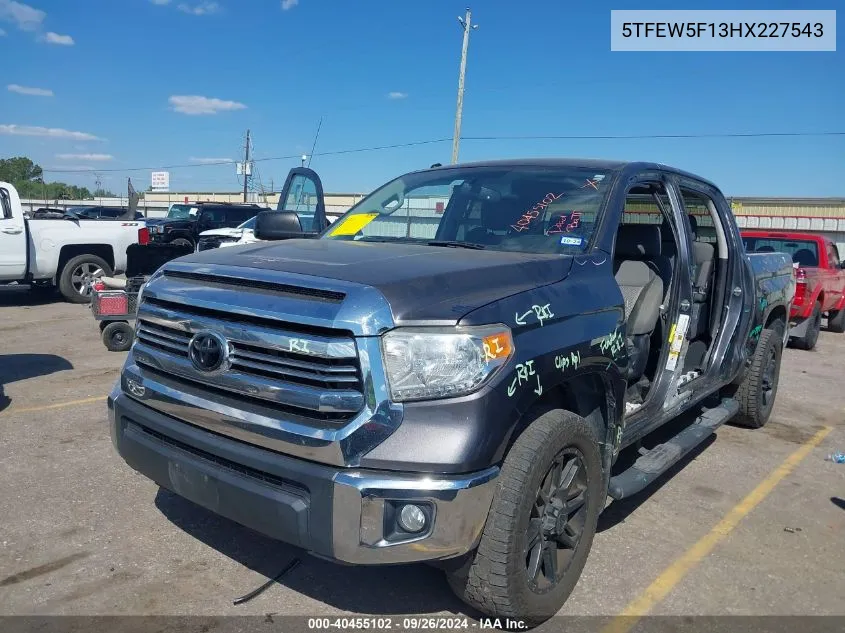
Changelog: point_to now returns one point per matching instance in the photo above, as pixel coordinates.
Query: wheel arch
(590, 395)
(68, 252)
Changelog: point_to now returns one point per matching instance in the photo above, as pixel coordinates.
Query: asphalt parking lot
(753, 523)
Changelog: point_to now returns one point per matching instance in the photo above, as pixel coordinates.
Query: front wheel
(118, 336)
(541, 522)
(181, 241)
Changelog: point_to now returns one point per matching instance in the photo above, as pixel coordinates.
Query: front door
(12, 238)
(303, 194)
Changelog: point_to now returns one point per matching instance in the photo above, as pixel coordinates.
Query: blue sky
(126, 71)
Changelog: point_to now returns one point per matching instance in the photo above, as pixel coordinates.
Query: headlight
(429, 363)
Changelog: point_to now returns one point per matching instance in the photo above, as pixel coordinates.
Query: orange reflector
(497, 346)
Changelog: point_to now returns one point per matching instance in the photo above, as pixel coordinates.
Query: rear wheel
(541, 522)
(77, 278)
(811, 336)
(836, 321)
(756, 393)
(118, 336)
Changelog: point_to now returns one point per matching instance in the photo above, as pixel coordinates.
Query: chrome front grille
(311, 373)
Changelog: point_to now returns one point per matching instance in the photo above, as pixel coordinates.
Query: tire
(778, 327)
(836, 321)
(118, 336)
(496, 578)
(811, 336)
(78, 276)
(757, 392)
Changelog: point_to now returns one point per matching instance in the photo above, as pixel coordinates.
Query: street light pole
(467, 25)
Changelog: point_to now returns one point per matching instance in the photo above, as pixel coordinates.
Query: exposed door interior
(709, 270)
(645, 267)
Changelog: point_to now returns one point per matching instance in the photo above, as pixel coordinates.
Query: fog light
(412, 518)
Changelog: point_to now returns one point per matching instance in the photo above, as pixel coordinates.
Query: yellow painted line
(672, 575)
(58, 405)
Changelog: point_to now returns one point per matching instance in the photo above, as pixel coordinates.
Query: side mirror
(277, 225)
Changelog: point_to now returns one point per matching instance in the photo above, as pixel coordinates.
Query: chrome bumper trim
(461, 505)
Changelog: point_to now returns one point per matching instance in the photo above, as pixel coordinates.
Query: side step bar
(661, 458)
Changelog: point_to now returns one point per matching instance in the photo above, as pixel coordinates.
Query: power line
(376, 148)
(623, 137)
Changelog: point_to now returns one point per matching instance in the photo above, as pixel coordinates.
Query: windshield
(181, 211)
(249, 224)
(803, 252)
(506, 208)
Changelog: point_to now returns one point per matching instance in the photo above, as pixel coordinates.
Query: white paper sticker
(677, 342)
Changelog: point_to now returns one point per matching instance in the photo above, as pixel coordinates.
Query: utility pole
(246, 165)
(467, 25)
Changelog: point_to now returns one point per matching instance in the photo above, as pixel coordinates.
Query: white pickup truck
(66, 253)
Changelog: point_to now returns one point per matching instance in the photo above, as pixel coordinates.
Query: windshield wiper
(455, 244)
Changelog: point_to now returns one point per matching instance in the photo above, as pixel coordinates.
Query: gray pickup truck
(449, 372)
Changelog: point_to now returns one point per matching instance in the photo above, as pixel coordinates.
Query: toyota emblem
(209, 352)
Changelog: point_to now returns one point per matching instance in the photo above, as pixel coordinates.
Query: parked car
(215, 238)
(178, 211)
(455, 387)
(69, 254)
(820, 281)
(103, 213)
(186, 231)
(47, 213)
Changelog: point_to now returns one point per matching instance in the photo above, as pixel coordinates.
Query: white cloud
(33, 92)
(25, 17)
(397, 95)
(203, 8)
(55, 38)
(193, 104)
(50, 132)
(289, 4)
(98, 157)
(210, 161)
(2, 33)
(160, 2)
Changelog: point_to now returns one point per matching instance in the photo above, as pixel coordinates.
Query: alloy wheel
(557, 520)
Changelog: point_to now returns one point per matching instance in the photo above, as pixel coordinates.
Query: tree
(103, 193)
(19, 169)
(28, 179)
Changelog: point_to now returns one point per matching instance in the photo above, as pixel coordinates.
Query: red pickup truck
(820, 288)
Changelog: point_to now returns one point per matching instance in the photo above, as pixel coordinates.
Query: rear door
(837, 276)
(303, 194)
(13, 240)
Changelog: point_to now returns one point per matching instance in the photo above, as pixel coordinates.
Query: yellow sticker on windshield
(352, 224)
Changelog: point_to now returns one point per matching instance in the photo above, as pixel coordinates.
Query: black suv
(185, 232)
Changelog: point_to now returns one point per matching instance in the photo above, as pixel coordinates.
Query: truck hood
(225, 232)
(419, 282)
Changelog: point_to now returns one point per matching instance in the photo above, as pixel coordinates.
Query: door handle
(12, 230)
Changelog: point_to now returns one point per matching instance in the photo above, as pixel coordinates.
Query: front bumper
(347, 515)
